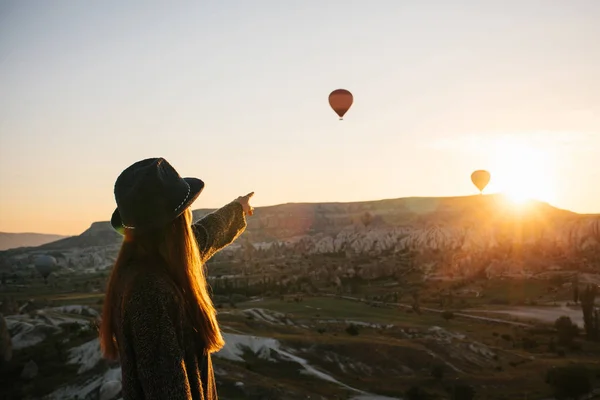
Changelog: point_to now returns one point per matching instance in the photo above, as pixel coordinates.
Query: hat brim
(196, 187)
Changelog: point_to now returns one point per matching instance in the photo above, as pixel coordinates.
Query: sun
(522, 172)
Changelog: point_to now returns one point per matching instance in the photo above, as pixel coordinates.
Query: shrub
(575, 346)
(352, 330)
(447, 315)
(461, 391)
(416, 393)
(238, 298)
(565, 330)
(572, 381)
(529, 343)
(438, 372)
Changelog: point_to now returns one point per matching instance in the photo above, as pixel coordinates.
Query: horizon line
(328, 202)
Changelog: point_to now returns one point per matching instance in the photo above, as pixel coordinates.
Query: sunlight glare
(522, 172)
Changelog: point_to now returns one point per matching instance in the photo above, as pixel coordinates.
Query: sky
(236, 93)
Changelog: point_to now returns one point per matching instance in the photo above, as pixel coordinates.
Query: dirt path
(544, 314)
(459, 314)
(547, 314)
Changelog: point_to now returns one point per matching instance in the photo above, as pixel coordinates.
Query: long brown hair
(176, 247)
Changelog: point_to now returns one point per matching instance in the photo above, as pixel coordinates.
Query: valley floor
(323, 347)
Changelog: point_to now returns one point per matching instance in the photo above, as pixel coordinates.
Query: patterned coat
(160, 356)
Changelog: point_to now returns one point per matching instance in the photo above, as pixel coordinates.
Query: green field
(515, 373)
(318, 308)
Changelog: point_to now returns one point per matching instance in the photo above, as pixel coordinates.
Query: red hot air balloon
(341, 101)
(480, 179)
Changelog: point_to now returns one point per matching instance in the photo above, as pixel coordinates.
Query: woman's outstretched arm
(219, 229)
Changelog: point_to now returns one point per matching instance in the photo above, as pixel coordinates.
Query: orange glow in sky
(237, 94)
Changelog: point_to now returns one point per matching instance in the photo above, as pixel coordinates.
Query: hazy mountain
(10, 240)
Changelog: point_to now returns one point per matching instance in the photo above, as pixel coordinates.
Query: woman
(158, 319)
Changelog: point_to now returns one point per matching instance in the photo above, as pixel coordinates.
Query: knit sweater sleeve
(219, 229)
(151, 317)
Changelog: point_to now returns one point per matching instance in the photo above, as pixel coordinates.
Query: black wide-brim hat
(150, 194)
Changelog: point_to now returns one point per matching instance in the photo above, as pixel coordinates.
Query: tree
(437, 372)
(461, 391)
(570, 382)
(591, 315)
(447, 315)
(352, 330)
(566, 330)
(5, 343)
(416, 393)
(416, 302)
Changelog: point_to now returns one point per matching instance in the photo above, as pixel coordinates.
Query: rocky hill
(97, 235)
(453, 233)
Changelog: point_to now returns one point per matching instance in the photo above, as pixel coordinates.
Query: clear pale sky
(235, 92)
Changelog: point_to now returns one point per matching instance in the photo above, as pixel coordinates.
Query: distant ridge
(292, 220)
(9, 240)
(98, 234)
